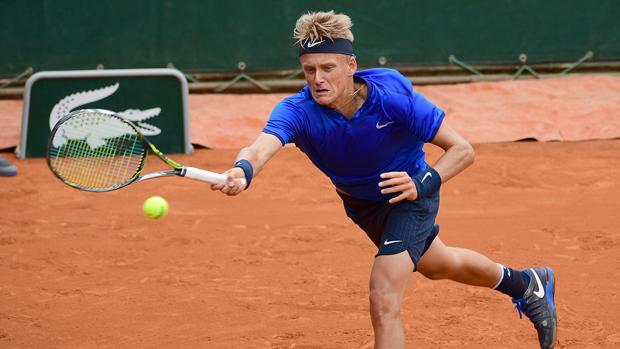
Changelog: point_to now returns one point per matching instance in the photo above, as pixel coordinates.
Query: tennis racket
(97, 150)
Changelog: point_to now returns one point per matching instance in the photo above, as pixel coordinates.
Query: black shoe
(538, 305)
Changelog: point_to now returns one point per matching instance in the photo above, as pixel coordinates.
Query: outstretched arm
(264, 148)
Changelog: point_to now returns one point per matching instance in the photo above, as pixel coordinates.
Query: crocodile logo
(75, 100)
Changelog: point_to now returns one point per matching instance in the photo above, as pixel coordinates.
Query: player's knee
(436, 274)
(384, 306)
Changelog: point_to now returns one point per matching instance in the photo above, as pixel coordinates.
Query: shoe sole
(555, 312)
(550, 296)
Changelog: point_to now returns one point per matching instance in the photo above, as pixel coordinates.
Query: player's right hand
(235, 182)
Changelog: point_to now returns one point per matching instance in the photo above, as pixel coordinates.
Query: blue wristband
(427, 182)
(248, 170)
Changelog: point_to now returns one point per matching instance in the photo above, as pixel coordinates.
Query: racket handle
(203, 175)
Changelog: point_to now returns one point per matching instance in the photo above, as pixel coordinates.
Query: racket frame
(177, 168)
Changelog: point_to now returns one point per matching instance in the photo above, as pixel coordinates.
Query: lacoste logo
(311, 45)
(387, 242)
(77, 132)
(541, 291)
(428, 174)
(379, 126)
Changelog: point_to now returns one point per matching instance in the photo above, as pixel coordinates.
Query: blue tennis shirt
(386, 134)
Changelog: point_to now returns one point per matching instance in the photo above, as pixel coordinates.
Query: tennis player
(365, 130)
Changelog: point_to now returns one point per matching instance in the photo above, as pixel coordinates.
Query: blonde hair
(313, 26)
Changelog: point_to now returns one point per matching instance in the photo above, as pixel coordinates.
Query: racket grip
(203, 175)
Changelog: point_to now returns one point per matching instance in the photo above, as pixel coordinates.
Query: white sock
(501, 275)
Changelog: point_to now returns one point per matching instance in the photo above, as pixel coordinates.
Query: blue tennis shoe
(538, 305)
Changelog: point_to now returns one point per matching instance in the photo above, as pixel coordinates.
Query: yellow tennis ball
(155, 207)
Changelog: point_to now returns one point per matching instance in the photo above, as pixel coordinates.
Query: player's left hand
(398, 182)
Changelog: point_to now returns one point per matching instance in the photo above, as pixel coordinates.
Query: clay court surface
(281, 266)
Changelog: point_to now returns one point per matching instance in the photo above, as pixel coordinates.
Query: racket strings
(96, 151)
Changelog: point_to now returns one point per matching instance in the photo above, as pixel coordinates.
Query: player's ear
(352, 64)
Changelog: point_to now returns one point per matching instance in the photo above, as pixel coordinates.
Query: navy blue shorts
(394, 228)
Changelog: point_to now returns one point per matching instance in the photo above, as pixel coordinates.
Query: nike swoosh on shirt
(379, 126)
(428, 174)
(387, 242)
(541, 291)
(310, 45)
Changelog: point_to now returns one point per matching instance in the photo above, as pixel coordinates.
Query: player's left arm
(427, 122)
(459, 154)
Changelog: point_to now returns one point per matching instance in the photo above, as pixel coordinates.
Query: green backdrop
(200, 35)
(156, 99)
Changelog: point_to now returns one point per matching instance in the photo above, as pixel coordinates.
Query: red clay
(282, 267)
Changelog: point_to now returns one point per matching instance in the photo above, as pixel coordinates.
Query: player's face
(329, 76)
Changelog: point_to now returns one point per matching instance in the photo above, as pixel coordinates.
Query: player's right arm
(264, 148)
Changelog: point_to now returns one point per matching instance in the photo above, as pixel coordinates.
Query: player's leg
(401, 232)
(388, 281)
(532, 290)
(408, 230)
(460, 265)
